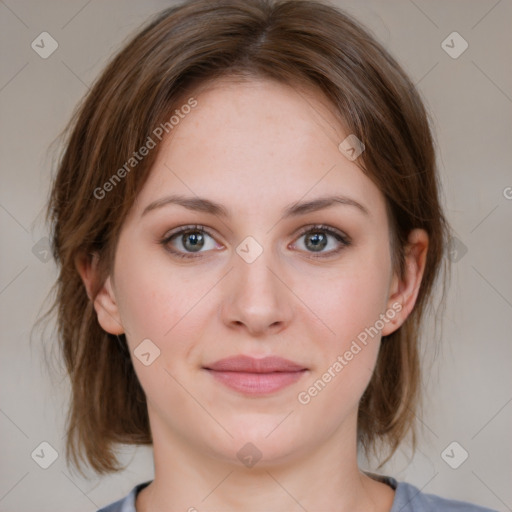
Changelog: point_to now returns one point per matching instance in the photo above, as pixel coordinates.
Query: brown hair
(294, 42)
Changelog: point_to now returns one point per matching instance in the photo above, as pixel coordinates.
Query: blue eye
(190, 241)
(317, 238)
(190, 238)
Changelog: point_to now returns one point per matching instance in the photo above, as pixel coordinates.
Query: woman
(247, 220)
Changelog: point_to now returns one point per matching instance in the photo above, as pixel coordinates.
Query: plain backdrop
(468, 386)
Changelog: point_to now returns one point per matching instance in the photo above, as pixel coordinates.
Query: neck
(193, 480)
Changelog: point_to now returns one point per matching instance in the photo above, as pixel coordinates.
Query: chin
(259, 445)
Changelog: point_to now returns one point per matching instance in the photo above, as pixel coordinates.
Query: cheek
(154, 306)
(163, 304)
(146, 305)
(352, 299)
(348, 359)
(350, 303)
(152, 296)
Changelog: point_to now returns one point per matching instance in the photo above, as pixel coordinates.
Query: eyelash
(342, 238)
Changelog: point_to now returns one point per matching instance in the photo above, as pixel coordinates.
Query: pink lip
(256, 376)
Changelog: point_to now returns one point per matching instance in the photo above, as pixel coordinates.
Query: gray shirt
(408, 498)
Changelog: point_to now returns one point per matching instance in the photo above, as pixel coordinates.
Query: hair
(295, 42)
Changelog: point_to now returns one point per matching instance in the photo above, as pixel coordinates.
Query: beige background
(468, 389)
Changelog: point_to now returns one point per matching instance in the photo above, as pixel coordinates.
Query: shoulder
(126, 504)
(409, 498)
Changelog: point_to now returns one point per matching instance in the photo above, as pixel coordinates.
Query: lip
(256, 376)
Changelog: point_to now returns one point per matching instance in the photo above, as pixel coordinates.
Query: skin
(256, 147)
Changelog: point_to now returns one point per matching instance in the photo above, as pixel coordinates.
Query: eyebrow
(200, 204)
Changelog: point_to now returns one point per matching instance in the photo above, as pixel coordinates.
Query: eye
(188, 240)
(318, 237)
(191, 241)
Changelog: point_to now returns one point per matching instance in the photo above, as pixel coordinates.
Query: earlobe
(106, 308)
(404, 291)
(104, 301)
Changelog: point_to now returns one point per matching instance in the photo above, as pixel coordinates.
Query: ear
(105, 303)
(404, 291)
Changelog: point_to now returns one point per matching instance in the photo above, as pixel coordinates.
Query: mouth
(252, 376)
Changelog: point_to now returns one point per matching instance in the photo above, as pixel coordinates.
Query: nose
(257, 298)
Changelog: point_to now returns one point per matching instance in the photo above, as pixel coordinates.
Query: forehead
(250, 140)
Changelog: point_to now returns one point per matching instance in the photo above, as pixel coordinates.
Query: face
(253, 264)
